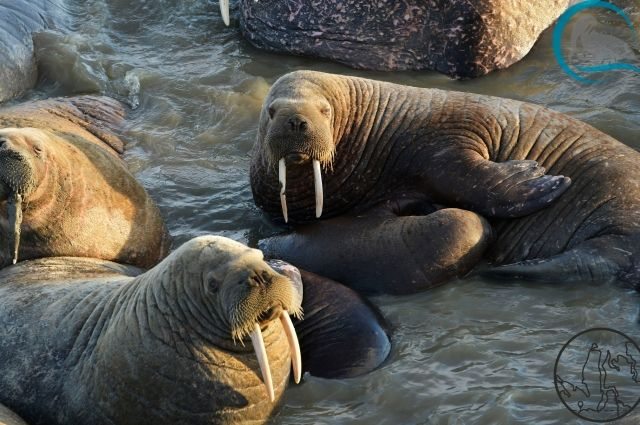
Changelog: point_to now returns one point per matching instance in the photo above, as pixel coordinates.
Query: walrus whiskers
(14, 210)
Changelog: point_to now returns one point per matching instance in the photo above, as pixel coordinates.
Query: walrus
(460, 38)
(65, 191)
(20, 20)
(562, 198)
(87, 341)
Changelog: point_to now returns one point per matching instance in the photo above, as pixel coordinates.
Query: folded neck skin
(222, 295)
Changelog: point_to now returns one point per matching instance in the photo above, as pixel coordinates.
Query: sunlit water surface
(469, 352)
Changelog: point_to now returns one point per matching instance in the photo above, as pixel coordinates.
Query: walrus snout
(297, 124)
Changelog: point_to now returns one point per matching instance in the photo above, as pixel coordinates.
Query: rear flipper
(600, 259)
(342, 335)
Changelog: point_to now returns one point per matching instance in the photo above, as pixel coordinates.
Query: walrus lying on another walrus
(391, 152)
(87, 341)
(67, 191)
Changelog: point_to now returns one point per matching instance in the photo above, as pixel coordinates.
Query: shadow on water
(469, 352)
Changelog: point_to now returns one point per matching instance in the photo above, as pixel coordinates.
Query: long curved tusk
(263, 361)
(282, 176)
(14, 210)
(224, 11)
(317, 180)
(294, 345)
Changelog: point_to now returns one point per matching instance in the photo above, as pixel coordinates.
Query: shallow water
(469, 352)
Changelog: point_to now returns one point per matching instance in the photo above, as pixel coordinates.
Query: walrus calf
(65, 191)
(363, 143)
(87, 341)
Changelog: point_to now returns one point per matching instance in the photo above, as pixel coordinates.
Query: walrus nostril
(297, 158)
(297, 124)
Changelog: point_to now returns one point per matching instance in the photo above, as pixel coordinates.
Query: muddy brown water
(469, 352)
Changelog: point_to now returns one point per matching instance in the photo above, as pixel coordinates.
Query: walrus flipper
(596, 260)
(342, 335)
(508, 189)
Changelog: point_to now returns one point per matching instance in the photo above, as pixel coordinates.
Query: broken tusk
(317, 180)
(294, 345)
(263, 361)
(282, 176)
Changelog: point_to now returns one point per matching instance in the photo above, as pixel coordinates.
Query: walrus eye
(272, 111)
(326, 111)
(37, 149)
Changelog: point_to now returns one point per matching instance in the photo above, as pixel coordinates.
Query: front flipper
(342, 335)
(509, 189)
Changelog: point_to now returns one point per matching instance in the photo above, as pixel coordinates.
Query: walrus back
(98, 118)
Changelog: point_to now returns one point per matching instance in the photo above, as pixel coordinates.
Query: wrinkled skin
(480, 153)
(92, 342)
(437, 248)
(20, 19)
(101, 212)
(460, 38)
(89, 341)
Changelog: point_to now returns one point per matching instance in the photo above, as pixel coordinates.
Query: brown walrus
(378, 143)
(204, 337)
(65, 191)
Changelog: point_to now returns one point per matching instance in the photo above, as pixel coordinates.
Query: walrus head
(244, 295)
(22, 165)
(297, 129)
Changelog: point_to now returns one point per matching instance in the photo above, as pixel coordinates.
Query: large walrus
(65, 191)
(87, 341)
(382, 145)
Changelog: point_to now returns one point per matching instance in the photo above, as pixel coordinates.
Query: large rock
(461, 38)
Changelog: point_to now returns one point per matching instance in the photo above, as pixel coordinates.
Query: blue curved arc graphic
(561, 25)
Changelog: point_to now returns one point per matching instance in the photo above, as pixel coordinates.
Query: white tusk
(224, 11)
(263, 361)
(282, 176)
(317, 180)
(294, 346)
